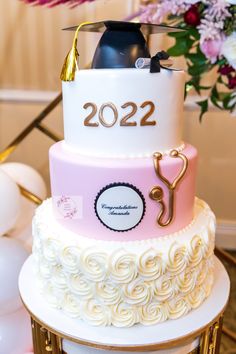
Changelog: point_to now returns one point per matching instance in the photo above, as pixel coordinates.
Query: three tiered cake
(123, 240)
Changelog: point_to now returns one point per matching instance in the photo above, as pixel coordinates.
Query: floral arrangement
(209, 43)
(51, 3)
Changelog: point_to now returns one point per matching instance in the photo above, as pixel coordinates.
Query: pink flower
(211, 48)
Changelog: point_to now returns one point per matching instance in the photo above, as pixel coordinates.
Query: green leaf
(204, 107)
(193, 32)
(224, 95)
(195, 70)
(226, 102)
(178, 34)
(196, 58)
(193, 82)
(214, 92)
(222, 61)
(181, 47)
(201, 7)
(200, 53)
(220, 80)
(215, 98)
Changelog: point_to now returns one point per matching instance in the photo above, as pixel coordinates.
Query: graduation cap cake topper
(121, 44)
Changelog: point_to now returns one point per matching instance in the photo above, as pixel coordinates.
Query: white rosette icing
(137, 292)
(51, 247)
(177, 258)
(211, 246)
(196, 297)
(122, 266)
(150, 264)
(59, 278)
(153, 313)
(202, 273)
(37, 258)
(123, 283)
(198, 249)
(210, 263)
(53, 296)
(164, 288)
(93, 264)
(78, 284)
(186, 281)
(37, 246)
(96, 314)
(108, 293)
(41, 282)
(45, 268)
(211, 225)
(178, 307)
(124, 315)
(207, 286)
(69, 258)
(71, 305)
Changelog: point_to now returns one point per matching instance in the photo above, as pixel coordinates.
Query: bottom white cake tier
(124, 283)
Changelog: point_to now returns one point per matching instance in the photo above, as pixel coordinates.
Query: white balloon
(24, 236)
(12, 257)
(22, 230)
(27, 177)
(15, 333)
(31, 180)
(9, 202)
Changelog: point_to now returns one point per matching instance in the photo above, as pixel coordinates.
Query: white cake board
(137, 338)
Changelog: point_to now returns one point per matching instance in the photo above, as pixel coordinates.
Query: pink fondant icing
(76, 181)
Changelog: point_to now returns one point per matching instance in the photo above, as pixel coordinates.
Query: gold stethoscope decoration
(157, 192)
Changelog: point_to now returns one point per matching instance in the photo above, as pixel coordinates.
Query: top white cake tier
(123, 112)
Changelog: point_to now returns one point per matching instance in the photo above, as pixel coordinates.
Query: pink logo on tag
(69, 207)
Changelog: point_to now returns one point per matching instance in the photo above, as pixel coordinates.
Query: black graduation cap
(121, 44)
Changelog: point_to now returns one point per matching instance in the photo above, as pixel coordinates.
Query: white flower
(218, 10)
(229, 49)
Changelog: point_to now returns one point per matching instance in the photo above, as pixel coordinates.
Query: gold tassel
(70, 63)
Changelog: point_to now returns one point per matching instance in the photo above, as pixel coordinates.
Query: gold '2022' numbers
(88, 119)
(125, 121)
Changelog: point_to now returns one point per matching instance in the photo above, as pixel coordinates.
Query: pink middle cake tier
(111, 199)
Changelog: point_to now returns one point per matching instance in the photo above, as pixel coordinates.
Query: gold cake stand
(197, 332)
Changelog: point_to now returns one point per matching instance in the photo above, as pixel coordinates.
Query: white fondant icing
(123, 283)
(117, 87)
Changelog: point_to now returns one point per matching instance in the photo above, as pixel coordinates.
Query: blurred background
(33, 48)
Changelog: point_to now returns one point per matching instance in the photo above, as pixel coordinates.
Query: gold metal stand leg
(29, 195)
(45, 342)
(210, 341)
(48, 132)
(229, 333)
(226, 256)
(36, 122)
